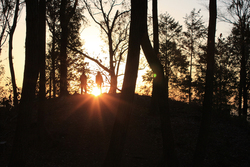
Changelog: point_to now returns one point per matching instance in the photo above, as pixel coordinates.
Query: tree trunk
(201, 147)
(53, 57)
(190, 79)
(120, 128)
(169, 156)
(64, 21)
(113, 84)
(42, 49)
(154, 107)
(63, 51)
(243, 70)
(20, 145)
(12, 72)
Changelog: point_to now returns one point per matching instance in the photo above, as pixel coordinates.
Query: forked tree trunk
(202, 142)
(169, 156)
(139, 36)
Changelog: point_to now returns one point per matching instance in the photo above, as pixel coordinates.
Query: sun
(96, 91)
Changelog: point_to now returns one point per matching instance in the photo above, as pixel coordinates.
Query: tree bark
(201, 147)
(120, 128)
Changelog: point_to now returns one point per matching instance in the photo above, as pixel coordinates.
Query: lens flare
(96, 91)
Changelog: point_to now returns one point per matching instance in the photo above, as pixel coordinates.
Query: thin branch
(90, 58)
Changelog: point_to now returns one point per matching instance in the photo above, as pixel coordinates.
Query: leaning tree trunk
(169, 156)
(202, 142)
(120, 128)
(12, 72)
(20, 145)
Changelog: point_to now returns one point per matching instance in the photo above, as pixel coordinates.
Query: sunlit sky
(91, 34)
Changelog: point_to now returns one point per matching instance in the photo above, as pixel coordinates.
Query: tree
(74, 61)
(115, 30)
(53, 55)
(139, 36)
(200, 150)
(66, 13)
(193, 37)
(156, 48)
(6, 12)
(225, 75)
(169, 156)
(11, 34)
(31, 71)
(174, 62)
(239, 11)
(42, 48)
(120, 127)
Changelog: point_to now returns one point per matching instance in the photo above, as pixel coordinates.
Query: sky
(178, 9)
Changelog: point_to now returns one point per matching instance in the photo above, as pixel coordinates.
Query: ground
(79, 128)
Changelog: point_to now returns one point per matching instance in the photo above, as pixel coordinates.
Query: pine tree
(192, 41)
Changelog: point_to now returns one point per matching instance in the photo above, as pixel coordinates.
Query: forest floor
(80, 126)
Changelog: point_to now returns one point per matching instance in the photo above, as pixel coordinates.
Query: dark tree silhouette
(139, 36)
(42, 48)
(65, 17)
(156, 49)
(115, 30)
(31, 70)
(6, 13)
(52, 22)
(200, 151)
(118, 138)
(239, 12)
(12, 71)
(196, 31)
(74, 61)
(169, 156)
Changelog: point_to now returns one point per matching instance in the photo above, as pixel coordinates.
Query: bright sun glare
(96, 91)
